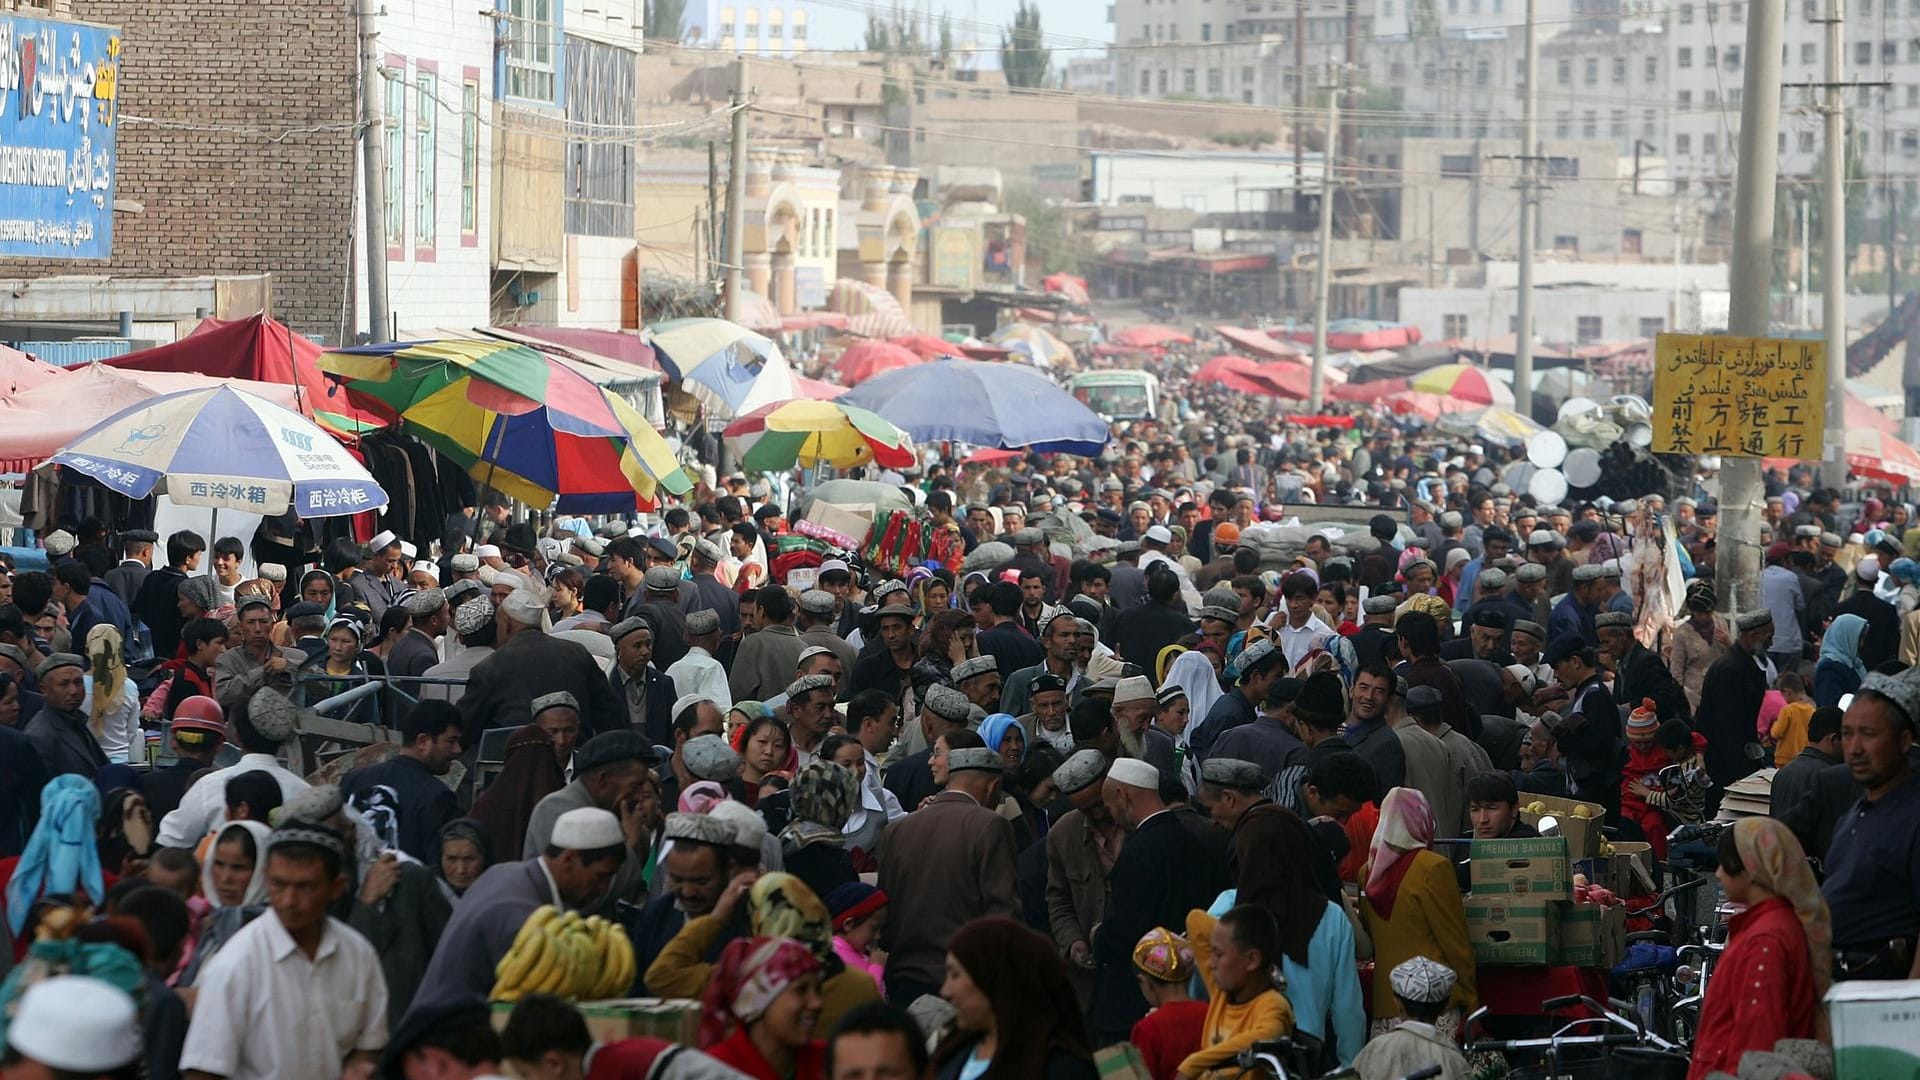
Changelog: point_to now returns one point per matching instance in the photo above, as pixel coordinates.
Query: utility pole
(1529, 211)
(1751, 278)
(373, 163)
(1299, 100)
(1323, 261)
(1833, 294)
(1806, 261)
(736, 191)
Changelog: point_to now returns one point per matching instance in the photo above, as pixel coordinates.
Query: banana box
(1522, 870)
(1511, 932)
(1578, 821)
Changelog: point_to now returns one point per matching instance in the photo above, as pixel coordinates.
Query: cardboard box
(1628, 871)
(1589, 935)
(1876, 1029)
(673, 1019)
(1582, 833)
(1509, 932)
(1528, 870)
(1121, 1061)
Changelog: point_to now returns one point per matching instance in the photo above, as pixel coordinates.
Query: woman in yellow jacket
(1412, 907)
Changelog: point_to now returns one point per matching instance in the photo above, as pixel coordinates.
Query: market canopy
(985, 404)
(36, 422)
(613, 344)
(222, 448)
(1151, 336)
(1259, 343)
(872, 311)
(1249, 376)
(258, 348)
(729, 368)
(19, 371)
(865, 359)
(1363, 334)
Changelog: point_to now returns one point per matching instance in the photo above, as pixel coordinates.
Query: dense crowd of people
(1155, 764)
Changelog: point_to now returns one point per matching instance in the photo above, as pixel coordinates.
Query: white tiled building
(772, 28)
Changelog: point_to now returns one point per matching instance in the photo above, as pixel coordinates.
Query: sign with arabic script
(59, 109)
(1739, 396)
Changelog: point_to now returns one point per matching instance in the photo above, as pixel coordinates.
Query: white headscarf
(256, 885)
(1192, 672)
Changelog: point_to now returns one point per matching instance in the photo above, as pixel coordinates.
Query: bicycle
(1284, 1059)
(1621, 1047)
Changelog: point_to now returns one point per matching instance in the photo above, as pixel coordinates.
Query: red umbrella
(865, 359)
(1260, 344)
(987, 455)
(927, 347)
(1252, 377)
(1151, 335)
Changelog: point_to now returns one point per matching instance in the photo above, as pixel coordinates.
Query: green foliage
(1250, 139)
(663, 19)
(1023, 55)
(1051, 240)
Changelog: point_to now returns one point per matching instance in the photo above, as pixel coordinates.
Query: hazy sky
(843, 23)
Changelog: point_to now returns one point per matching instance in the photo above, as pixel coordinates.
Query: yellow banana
(587, 972)
(620, 959)
(520, 960)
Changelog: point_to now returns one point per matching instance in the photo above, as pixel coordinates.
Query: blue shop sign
(59, 108)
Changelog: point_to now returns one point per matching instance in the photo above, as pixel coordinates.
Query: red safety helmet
(200, 713)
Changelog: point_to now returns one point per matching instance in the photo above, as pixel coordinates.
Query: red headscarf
(751, 973)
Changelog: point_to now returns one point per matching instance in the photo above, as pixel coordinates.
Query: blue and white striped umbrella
(221, 448)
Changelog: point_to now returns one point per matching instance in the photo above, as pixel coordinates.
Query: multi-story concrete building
(773, 28)
(1229, 50)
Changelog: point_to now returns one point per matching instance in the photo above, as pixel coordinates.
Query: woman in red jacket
(760, 1010)
(1769, 983)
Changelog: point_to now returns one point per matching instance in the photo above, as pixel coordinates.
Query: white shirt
(204, 806)
(265, 1011)
(1296, 643)
(119, 727)
(699, 673)
(874, 793)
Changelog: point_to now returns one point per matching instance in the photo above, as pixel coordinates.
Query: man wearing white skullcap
(586, 849)
(1170, 864)
(74, 1024)
(1422, 988)
(528, 663)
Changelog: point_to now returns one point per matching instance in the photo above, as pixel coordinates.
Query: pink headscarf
(751, 973)
(1406, 826)
(701, 796)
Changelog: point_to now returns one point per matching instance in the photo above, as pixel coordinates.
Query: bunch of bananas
(564, 954)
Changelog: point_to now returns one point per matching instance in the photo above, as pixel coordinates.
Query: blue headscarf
(1842, 642)
(993, 730)
(63, 854)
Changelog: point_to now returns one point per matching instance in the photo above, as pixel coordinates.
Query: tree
(663, 19)
(946, 37)
(1023, 52)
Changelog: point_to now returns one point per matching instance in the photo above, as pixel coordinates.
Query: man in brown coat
(948, 863)
(1081, 848)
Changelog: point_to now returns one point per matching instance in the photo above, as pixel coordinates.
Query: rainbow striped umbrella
(1463, 382)
(517, 420)
(810, 432)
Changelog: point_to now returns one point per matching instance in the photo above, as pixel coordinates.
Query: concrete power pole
(1323, 260)
(1833, 269)
(373, 162)
(1529, 211)
(1751, 279)
(736, 193)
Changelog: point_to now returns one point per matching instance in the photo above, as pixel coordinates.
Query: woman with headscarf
(1198, 675)
(464, 853)
(113, 712)
(529, 772)
(871, 811)
(1697, 641)
(1411, 905)
(1278, 865)
(235, 873)
(62, 857)
(1840, 670)
(125, 832)
(1015, 1015)
(342, 667)
(1770, 982)
(813, 845)
(777, 905)
(1007, 736)
(761, 1011)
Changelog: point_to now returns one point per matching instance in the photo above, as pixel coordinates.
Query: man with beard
(1171, 863)
(1134, 706)
(1730, 698)
(1081, 849)
(1046, 718)
(1060, 636)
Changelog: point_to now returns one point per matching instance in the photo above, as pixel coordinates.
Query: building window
(1649, 124)
(1563, 168)
(1619, 69)
(1804, 142)
(1482, 72)
(1162, 81)
(1683, 58)
(1863, 53)
(1807, 53)
(797, 30)
(396, 156)
(1733, 57)
(1686, 14)
(1520, 72)
(1910, 143)
(1889, 52)
(470, 157)
(1562, 124)
(1586, 328)
(1683, 98)
(1453, 326)
(1913, 50)
(1683, 144)
(1590, 123)
(601, 97)
(1456, 166)
(1563, 70)
(1630, 241)
(1913, 95)
(1617, 124)
(1708, 145)
(1146, 82)
(1593, 70)
(1206, 31)
(426, 167)
(1216, 82)
(531, 52)
(1652, 326)
(1187, 81)
(1711, 56)
(1651, 71)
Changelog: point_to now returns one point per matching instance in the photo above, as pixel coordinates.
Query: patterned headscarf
(751, 974)
(109, 673)
(822, 797)
(1164, 956)
(781, 905)
(62, 854)
(1775, 859)
(1406, 826)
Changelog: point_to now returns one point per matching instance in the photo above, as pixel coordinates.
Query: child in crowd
(859, 911)
(1680, 789)
(1423, 988)
(1235, 956)
(1645, 759)
(1170, 1032)
(1788, 732)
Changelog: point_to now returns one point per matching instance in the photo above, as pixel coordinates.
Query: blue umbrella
(1001, 405)
(221, 448)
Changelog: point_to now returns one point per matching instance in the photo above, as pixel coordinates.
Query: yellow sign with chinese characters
(1739, 396)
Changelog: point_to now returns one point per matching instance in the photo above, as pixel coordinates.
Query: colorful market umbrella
(1068, 285)
(865, 359)
(986, 404)
(731, 369)
(1494, 423)
(872, 311)
(1425, 405)
(517, 420)
(1151, 336)
(926, 346)
(814, 389)
(1040, 348)
(775, 438)
(1463, 382)
(221, 448)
